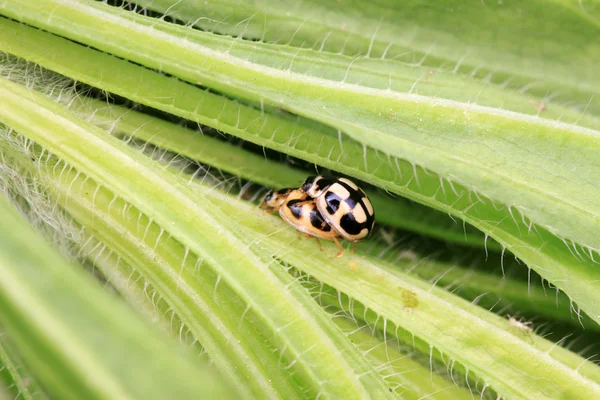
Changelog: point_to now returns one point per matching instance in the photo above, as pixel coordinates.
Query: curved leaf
(16, 377)
(474, 162)
(233, 159)
(503, 356)
(310, 142)
(78, 341)
(537, 47)
(200, 228)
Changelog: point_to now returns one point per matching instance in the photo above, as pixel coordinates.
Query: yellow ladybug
(300, 211)
(343, 205)
(325, 208)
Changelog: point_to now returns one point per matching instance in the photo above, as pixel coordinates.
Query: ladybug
(343, 205)
(300, 211)
(324, 208)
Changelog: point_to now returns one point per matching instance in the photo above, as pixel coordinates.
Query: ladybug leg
(298, 233)
(337, 243)
(354, 247)
(319, 243)
(306, 235)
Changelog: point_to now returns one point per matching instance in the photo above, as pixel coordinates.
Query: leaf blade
(138, 181)
(71, 348)
(358, 111)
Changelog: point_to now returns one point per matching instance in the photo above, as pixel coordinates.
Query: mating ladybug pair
(325, 208)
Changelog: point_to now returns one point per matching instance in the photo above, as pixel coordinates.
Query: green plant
(493, 122)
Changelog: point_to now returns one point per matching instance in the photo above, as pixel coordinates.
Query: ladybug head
(275, 199)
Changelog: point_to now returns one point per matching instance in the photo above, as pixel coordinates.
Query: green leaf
(422, 310)
(399, 371)
(395, 212)
(503, 356)
(312, 142)
(231, 334)
(507, 174)
(520, 296)
(14, 374)
(535, 47)
(411, 378)
(395, 76)
(79, 341)
(200, 228)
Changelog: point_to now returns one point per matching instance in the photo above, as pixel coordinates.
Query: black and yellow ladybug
(343, 205)
(324, 208)
(300, 211)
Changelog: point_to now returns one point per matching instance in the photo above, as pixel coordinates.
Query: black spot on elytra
(324, 183)
(333, 202)
(308, 183)
(351, 202)
(319, 184)
(357, 198)
(350, 226)
(357, 194)
(295, 208)
(317, 221)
